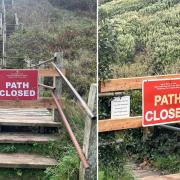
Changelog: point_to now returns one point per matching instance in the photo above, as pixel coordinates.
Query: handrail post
(57, 81)
(90, 139)
(41, 80)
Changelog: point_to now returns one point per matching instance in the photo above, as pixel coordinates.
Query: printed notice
(120, 107)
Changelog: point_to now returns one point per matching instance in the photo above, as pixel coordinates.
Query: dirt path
(141, 172)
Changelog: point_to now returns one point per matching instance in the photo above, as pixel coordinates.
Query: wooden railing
(110, 87)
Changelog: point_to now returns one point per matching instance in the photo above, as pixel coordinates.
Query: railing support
(90, 139)
(41, 80)
(57, 81)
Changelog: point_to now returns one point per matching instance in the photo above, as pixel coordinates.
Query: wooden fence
(110, 87)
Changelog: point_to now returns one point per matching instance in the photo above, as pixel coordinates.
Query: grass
(21, 174)
(169, 164)
(125, 175)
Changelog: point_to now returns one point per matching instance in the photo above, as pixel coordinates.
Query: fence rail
(123, 84)
(40, 103)
(119, 124)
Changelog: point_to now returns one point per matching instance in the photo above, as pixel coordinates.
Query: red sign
(18, 84)
(161, 102)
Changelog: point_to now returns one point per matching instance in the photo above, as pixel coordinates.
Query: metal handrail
(70, 132)
(82, 102)
(44, 62)
(170, 127)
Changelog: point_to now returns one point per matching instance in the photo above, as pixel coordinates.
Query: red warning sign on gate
(18, 84)
(161, 102)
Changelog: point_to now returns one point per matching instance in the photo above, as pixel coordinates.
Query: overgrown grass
(169, 163)
(21, 174)
(67, 168)
(125, 175)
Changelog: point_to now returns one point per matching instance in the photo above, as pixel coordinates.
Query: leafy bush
(131, 28)
(169, 163)
(61, 30)
(84, 5)
(67, 168)
(111, 157)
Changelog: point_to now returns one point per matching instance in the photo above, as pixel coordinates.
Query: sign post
(18, 84)
(161, 102)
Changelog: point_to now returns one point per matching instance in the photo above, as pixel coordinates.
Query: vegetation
(48, 29)
(83, 5)
(138, 32)
(136, 38)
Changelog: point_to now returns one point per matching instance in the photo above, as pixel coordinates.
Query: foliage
(82, 5)
(135, 28)
(160, 147)
(106, 51)
(111, 157)
(67, 168)
(51, 31)
(169, 163)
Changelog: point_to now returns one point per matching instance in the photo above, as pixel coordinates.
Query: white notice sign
(120, 107)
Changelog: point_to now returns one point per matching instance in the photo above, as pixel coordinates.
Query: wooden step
(27, 117)
(18, 138)
(23, 160)
(28, 121)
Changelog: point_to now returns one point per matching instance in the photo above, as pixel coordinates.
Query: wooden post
(41, 81)
(28, 62)
(147, 133)
(90, 139)
(4, 33)
(57, 82)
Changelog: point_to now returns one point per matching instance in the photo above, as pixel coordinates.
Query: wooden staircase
(25, 119)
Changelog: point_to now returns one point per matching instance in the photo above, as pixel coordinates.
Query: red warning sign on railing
(18, 84)
(161, 102)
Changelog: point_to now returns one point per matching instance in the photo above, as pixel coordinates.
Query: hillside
(141, 37)
(49, 28)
